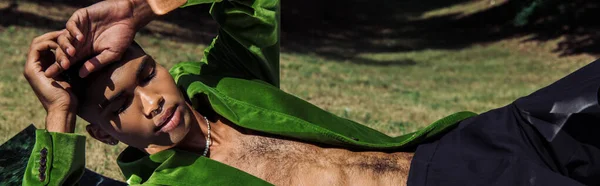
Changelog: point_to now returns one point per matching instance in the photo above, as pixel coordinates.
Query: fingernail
(79, 37)
(82, 74)
(68, 51)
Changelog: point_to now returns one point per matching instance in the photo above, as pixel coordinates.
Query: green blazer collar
(176, 167)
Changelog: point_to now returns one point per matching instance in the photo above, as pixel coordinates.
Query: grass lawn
(387, 93)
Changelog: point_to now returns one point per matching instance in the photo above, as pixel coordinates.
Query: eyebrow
(138, 71)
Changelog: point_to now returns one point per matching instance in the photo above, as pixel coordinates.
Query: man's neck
(195, 140)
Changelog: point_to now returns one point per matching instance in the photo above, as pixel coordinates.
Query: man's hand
(54, 94)
(100, 33)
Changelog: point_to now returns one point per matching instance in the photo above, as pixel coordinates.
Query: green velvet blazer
(239, 74)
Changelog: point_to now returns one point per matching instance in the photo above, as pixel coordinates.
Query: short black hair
(77, 83)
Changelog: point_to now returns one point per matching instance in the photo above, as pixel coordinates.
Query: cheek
(165, 84)
(131, 126)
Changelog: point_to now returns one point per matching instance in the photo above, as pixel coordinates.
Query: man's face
(136, 102)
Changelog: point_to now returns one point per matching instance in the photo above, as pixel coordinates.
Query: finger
(53, 70)
(74, 22)
(62, 63)
(47, 36)
(41, 47)
(64, 40)
(98, 62)
(38, 48)
(33, 64)
(62, 59)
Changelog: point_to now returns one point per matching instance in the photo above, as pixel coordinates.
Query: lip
(170, 120)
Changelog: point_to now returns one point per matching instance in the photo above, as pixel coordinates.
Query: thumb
(99, 61)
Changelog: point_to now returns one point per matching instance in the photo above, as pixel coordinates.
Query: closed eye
(124, 103)
(149, 75)
(148, 69)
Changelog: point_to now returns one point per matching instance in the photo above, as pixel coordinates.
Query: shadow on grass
(341, 30)
(389, 26)
(11, 16)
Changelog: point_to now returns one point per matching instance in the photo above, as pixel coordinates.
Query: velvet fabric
(61, 163)
(239, 74)
(173, 167)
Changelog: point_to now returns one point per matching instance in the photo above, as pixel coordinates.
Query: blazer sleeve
(56, 159)
(247, 44)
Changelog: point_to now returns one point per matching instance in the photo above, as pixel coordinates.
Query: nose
(152, 103)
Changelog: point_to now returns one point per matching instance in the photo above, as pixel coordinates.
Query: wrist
(161, 7)
(60, 121)
(142, 13)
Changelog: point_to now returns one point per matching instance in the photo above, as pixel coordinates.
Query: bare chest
(287, 162)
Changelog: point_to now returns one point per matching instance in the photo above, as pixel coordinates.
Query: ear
(99, 134)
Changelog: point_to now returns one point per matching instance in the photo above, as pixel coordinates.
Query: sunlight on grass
(394, 99)
(461, 9)
(439, 83)
(393, 92)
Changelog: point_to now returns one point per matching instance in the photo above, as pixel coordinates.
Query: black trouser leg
(567, 116)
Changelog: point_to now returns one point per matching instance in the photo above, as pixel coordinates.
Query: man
(230, 124)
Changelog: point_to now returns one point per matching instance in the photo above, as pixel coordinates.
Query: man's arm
(161, 7)
(58, 157)
(100, 33)
(247, 45)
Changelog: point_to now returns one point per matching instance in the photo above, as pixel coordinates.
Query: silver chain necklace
(208, 142)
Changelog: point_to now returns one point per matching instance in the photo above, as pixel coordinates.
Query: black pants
(551, 137)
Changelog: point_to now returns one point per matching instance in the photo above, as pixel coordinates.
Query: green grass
(394, 98)
(399, 99)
